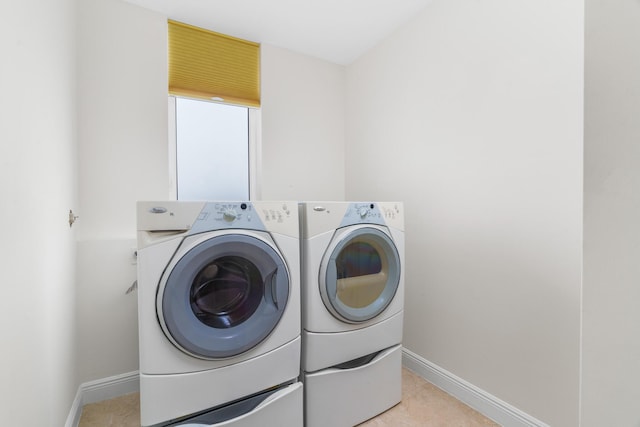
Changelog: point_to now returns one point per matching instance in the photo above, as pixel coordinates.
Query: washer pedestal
(281, 408)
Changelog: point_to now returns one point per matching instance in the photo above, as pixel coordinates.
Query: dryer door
(224, 296)
(360, 273)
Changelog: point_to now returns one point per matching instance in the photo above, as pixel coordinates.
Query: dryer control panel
(362, 213)
(380, 213)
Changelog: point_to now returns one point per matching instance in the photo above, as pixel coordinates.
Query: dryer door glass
(362, 274)
(224, 296)
(361, 279)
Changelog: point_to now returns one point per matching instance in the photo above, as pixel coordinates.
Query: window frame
(254, 134)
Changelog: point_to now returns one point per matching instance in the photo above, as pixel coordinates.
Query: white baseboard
(73, 419)
(102, 389)
(483, 402)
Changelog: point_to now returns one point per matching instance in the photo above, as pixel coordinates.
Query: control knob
(229, 215)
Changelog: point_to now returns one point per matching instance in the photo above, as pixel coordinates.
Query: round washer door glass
(224, 296)
(360, 274)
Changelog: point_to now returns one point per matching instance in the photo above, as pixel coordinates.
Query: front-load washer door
(223, 297)
(360, 273)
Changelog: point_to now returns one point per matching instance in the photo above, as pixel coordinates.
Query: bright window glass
(212, 150)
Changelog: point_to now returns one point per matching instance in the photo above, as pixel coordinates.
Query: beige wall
(38, 175)
(472, 115)
(611, 302)
(122, 115)
(123, 153)
(303, 124)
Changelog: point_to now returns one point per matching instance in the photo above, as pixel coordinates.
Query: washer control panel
(218, 215)
(232, 212)
(261, 216)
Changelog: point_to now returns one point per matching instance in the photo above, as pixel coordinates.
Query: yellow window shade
(209, 65)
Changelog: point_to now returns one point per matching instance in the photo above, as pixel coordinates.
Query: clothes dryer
(353, 305)
(219, 313)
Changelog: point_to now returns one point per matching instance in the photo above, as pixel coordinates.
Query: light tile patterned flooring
(423, 404)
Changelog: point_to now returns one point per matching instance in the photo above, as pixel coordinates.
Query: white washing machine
(352, 309)
(219, 314)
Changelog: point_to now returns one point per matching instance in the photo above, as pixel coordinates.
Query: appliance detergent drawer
(346, 397)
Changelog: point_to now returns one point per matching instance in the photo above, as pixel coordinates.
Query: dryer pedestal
(344, 397)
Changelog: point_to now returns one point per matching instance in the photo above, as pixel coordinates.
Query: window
(212, 148)
(212, 144)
